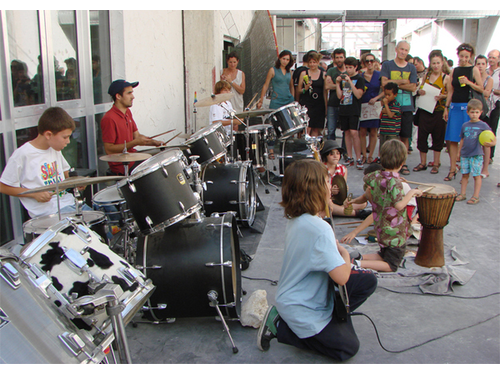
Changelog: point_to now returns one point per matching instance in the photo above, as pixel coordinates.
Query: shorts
(392, 256)
(349, 123)
(406, 124)
(472, 164)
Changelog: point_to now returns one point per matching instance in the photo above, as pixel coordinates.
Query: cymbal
(214, 99)
(342, 184)
(254, 113)
(73, 182)
(126, 157)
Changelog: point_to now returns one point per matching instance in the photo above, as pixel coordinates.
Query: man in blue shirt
(404, 75)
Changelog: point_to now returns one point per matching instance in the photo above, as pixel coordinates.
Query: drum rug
(412, 278)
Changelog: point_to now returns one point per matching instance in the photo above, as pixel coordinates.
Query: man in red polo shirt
(118, 125)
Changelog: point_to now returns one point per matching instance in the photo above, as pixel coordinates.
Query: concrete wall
(173, 54)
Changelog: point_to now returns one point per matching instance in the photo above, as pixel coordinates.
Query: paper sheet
(427, 102)
(370, 112)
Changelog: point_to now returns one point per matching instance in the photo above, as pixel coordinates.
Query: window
(67, 77)
(55, 58)
(101, 59)
(24, 56)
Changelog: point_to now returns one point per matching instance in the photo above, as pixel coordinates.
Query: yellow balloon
(486, 136)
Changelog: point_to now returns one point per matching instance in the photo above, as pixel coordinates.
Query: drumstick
(175, 136)
(251, 101)
(157, 135)
(419, 183)
(429, 188)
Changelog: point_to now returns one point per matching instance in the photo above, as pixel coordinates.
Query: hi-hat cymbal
(126, 157)
(254, 113)
(73, 182)
(214, 99)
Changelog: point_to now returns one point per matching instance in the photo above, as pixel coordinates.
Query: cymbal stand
(232, 113)
(212, 297)
(266, 158)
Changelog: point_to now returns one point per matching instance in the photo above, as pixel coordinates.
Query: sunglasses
(369, 61)
(466, 48)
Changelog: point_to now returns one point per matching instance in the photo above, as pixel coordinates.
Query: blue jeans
(332, 118)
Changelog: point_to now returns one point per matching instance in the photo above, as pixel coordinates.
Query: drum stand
(212, 297)
(106, 297)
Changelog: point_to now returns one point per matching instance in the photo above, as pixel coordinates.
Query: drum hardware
(10, 275)
(108, 297)
(212, 297)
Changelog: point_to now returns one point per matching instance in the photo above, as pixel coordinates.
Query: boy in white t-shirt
(222, 112)
(39, 163)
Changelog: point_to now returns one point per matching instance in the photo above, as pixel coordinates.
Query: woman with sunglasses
(464, 77)
(372, 95)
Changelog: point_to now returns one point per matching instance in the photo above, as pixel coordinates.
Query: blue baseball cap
(119, 85)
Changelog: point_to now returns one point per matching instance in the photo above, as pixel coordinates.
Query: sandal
(420, 167)
(430, 164)
(435, 169)
(451, 175)
(473, 200)
(404, 170)
(460, 197)
(369, 160)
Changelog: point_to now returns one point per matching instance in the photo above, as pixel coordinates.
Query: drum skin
(184, 263)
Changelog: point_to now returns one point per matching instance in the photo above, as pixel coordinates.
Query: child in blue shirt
(305, 301)
(471, 152)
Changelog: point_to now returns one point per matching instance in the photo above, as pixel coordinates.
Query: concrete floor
(402, 320)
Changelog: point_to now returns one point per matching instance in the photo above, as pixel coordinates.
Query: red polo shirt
(118, 128)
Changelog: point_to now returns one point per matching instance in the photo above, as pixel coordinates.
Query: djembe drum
(434, 210)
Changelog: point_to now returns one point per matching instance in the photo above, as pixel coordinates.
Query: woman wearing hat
(331, 154)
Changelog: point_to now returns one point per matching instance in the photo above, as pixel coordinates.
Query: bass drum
(230, 188)
(188, 260)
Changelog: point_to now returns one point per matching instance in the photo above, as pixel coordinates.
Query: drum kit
(178, 254)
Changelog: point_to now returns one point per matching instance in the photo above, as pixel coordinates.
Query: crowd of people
(316, 267)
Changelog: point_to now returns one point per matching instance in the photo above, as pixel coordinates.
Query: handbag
(473, 94)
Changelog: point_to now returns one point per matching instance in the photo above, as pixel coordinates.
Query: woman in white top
(236, 78)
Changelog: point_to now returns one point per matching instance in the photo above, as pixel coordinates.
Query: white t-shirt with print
(30, 168)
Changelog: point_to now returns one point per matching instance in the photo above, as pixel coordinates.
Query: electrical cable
(438, 295)
(273, 282)
(425, 342)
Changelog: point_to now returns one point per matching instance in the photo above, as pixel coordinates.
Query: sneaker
(363, 214)
(359, 164)
(268, 329)
(349, 162)
(355, 255)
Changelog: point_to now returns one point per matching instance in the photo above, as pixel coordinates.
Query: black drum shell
(230, 188)
(290, 150)
(158, 197)
(183, 279)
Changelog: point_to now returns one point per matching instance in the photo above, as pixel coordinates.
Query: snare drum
(209, 143)
(289, 120)
(36, 226)
(258, 135)
(188, 260)
(230, 188)
(70, 266)
(158, 192)
(434, 210)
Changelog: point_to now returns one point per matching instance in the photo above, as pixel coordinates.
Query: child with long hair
(313, 261)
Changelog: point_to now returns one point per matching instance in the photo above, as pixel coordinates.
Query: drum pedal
(212, 297)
